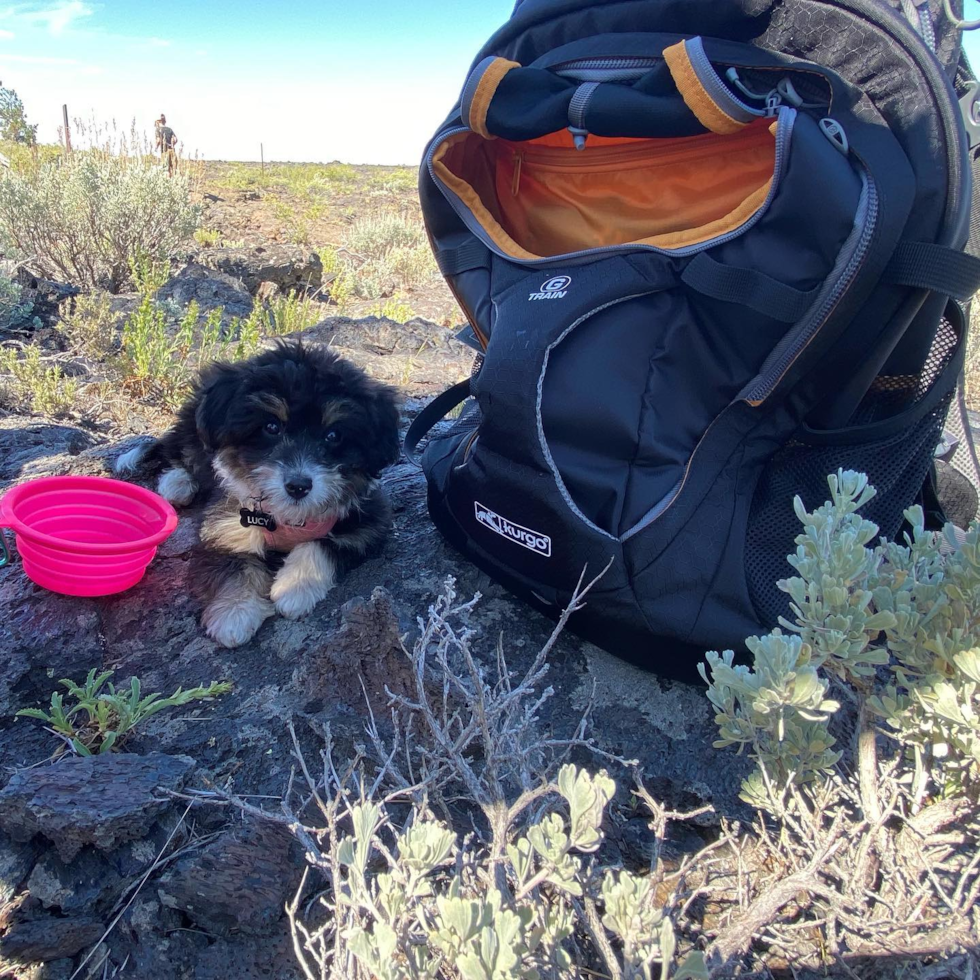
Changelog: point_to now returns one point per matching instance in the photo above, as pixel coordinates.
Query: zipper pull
(579, 136)
(834, 131)
(773, 101)
(516, 183)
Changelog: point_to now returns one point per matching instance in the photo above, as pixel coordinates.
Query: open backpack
(710, 251)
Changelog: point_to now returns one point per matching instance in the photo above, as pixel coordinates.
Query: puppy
(294, 439)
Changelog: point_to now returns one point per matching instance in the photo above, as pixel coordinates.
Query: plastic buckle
(970, 108)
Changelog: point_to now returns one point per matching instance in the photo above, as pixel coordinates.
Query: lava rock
(210, 288)
(101, 800)
(290, 267)
(365, 648)
(45, 938)
(88, 883)
(237, 885)
(16, 860)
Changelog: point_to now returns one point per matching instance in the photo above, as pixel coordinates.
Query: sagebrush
(875, 787)
(82, 219)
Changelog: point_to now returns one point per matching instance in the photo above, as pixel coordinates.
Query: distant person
(166, 143)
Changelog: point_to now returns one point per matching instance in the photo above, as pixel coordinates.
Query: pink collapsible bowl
(86, 535)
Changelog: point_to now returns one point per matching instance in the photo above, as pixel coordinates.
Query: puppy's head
(298, 431)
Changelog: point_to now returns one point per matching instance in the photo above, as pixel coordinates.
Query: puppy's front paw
(234, 620)
(307, 575)
(177, 486)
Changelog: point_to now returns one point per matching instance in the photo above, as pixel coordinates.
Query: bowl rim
(9, 501)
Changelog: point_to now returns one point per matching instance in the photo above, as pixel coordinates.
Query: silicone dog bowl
(86, 535)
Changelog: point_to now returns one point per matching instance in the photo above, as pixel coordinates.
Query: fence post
(262, 156)
(64, 116)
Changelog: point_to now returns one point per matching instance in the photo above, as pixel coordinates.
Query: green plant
(300, 233)
(881, 834)
(35, 384)
(413, 265)
(392, 309)
(147, 346)
(247, 333)
(13, 120)
(410, 897)
(331, 262)
(83, 219)
(912, 608)
(102, 717)
(207, 237)
(15, 311)
(290, 313)
(400, 180)
(89, 324)
(342, 291)
(376, 235)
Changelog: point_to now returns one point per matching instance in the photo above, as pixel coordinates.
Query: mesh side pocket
(892, 438)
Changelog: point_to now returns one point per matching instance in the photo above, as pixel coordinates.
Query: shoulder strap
(437, 409)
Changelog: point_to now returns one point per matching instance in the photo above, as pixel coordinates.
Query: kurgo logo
(524, 536)
(554, 288)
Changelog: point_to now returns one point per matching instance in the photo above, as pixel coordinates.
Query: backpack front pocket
(625, 394)
(542, 198)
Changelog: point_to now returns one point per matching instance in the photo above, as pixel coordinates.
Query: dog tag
(255, 518)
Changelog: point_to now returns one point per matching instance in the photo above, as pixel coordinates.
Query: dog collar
(286, 536)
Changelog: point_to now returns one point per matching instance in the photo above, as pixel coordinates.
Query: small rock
(266, 291)
(16, 860)
(48, 938)
(237, 885)
(367, 645)
(22, 442)
(87, 883)
(101, 800)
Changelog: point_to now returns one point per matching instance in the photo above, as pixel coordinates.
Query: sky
(361, 81)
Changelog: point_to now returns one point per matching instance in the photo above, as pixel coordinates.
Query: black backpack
(711, 251)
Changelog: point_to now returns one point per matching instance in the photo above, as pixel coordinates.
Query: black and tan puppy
(294, 439)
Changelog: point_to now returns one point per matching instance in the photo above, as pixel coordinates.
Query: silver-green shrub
(469, 850)
(895, 625)
(15, 310)
(84, 218)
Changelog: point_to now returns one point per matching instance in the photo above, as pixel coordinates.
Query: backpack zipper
(772, 377)
(767, 384)
(786, 116)
(558, 159)
(612, 69)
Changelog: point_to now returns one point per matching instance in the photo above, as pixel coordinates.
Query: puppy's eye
(272, 428)
(333, 438)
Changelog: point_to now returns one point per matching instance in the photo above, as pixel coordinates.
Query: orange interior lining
(543, 197)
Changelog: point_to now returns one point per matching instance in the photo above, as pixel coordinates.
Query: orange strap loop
(480, 90)
(695, 94)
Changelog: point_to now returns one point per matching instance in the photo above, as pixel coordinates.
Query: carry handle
(479, 90)
(703, 91)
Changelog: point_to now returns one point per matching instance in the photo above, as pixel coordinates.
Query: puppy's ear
(384, 448)
(214, 403)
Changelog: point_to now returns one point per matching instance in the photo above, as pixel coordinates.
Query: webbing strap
(747, 287)
(944, 270)
(471, 255)
(437, 409)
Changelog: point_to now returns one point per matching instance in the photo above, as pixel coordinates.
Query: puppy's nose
(298, 486)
